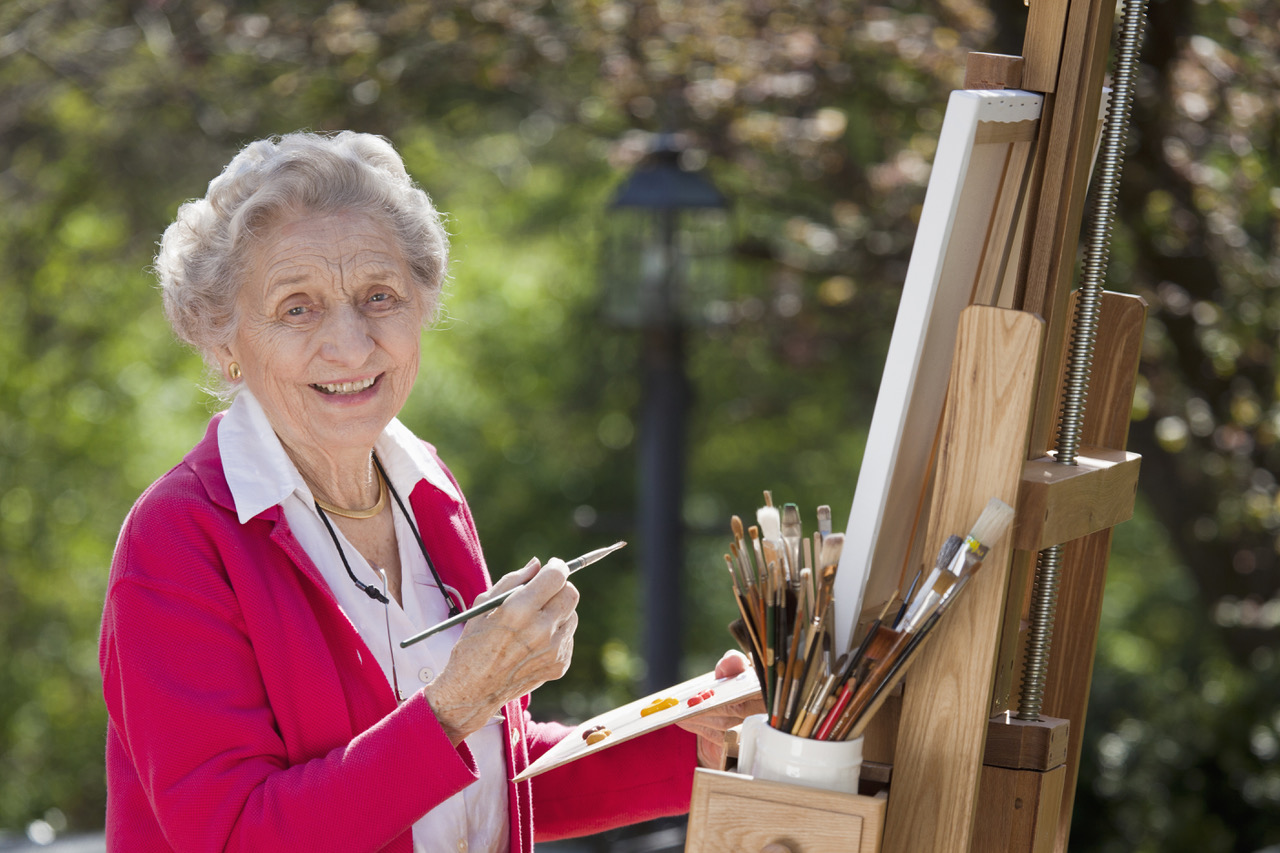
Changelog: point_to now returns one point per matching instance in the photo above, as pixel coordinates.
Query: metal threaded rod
(1044, 595)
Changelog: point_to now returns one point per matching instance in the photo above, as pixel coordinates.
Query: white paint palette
(626, 722)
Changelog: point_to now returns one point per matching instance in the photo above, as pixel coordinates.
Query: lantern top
(660, 183)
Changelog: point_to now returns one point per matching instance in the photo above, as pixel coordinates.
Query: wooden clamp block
(730, 813)
(1060, 503)
(1026, 744)
(992, 71)
(1023, 773)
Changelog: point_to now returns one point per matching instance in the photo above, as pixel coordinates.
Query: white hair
(205, 254)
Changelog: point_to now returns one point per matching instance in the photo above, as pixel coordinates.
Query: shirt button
(462, 845)
(425, 675)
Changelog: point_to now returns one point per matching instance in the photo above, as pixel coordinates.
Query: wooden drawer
(730, 813)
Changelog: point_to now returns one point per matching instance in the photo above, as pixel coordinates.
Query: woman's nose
(347, 338)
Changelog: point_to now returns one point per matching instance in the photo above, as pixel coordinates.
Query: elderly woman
(258, 698)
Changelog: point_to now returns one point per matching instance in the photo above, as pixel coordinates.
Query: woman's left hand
(711, 726)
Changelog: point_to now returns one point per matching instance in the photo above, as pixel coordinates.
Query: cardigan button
(425, 675)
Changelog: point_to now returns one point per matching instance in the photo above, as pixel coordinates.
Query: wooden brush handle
(884, 665)
(892, 679)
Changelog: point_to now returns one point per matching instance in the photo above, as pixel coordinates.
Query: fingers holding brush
(508, 651)
(509, 581)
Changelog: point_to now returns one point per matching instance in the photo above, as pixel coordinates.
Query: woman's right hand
(509, 651)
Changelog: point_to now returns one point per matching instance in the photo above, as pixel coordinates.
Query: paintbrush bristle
(742, 634)
(824, 519)
(736, 524)
(948, 551)
(770, 521)
(993, 522)
(831, 549)
(791, 516)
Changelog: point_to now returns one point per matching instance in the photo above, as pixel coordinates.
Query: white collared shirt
(261, 475)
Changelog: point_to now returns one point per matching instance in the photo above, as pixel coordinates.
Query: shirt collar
(261, 475)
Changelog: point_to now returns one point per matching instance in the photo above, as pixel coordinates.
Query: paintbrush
(742, 629)
(990, 526)
(770, 520)
(854, 660)
(574, 565)
(816, 671)
(789, 674)
(927, 608)
(895, 672)
(799, 663)
(779, 604)
(945, 554)
(791, 536)
(824, 521)
(883, 653)
(747, 641)
(744, 605)
(744, 557)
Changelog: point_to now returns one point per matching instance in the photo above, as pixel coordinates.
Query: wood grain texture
(1011, 653)
(1042, 44)
(730, 813)
(1106, 423)
(944, 712)
(1084, 562)
(995, 282)
(992, 71)
(1117, 350)
(1070, 124)
(1006, 131)
(880, 739)
(1022, 805)
(1026, 744)
(1058, 503)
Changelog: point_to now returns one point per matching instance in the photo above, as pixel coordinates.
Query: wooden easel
(962, 774)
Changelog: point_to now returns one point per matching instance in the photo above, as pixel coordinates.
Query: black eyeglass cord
(371, 591)
(454, 610)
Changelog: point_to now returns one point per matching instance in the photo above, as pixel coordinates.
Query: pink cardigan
(245, 712)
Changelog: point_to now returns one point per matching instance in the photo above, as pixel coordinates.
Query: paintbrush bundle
(784, 581)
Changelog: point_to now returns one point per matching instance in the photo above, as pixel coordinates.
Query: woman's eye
(380, 297)
(296, 311)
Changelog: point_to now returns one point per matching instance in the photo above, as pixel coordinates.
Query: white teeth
(346, 387)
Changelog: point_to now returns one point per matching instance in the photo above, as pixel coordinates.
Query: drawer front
(736, 814)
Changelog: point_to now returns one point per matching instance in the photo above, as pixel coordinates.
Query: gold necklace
(358, 513)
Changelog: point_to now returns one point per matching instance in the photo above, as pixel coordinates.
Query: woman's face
(329, 325)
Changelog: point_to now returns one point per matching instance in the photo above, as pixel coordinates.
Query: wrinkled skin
(508, 651)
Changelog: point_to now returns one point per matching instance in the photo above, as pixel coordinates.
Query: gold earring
(234, 370)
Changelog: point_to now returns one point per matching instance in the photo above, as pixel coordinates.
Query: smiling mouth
(346, 387)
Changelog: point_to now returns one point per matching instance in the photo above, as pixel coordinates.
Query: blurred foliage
(819, 119)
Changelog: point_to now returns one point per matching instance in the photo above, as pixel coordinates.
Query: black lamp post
(665, 258)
